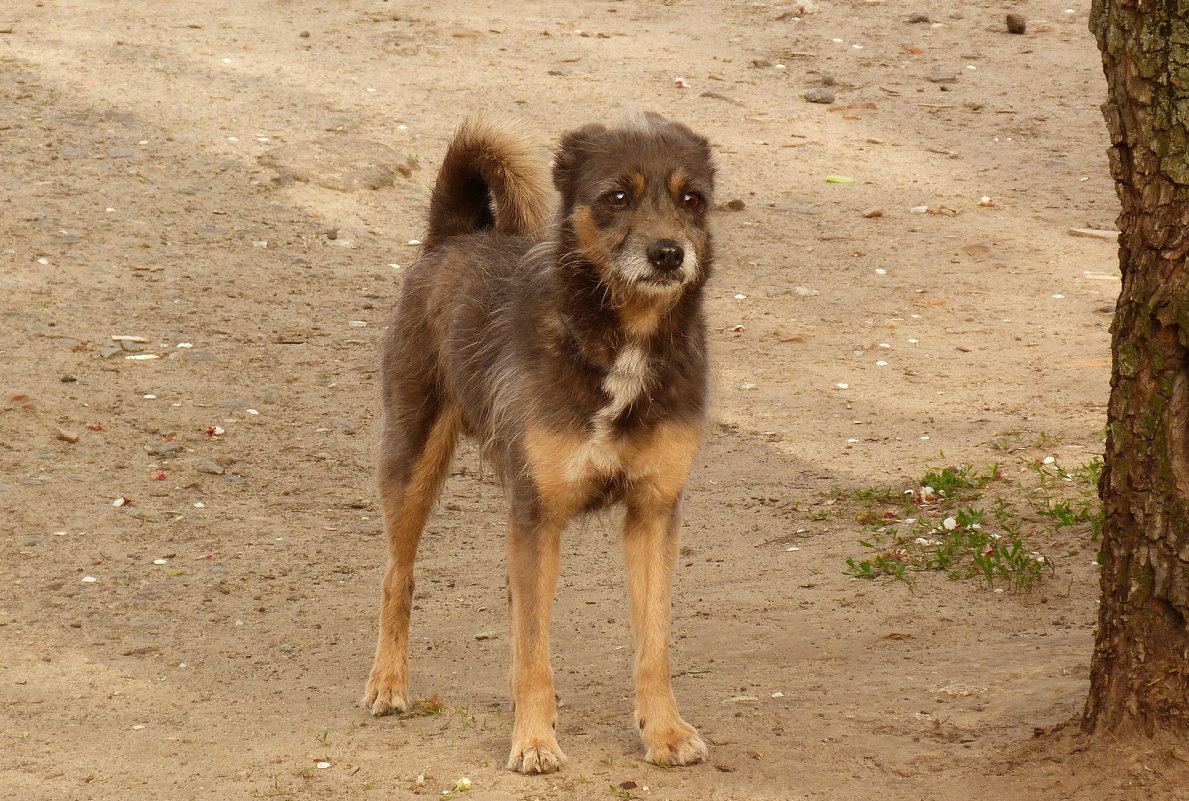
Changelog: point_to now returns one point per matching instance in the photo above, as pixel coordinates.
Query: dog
(574, 352)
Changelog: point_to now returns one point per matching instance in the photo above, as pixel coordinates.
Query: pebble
(67, 436)
(208, 466)
(943, 77)
(735, 204)
(1016, 23)
(68, 379)
(820, 95)
(917, 18)
(171, 448)
(873, 213)
(722, 97)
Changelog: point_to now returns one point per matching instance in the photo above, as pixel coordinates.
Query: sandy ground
(210, 637)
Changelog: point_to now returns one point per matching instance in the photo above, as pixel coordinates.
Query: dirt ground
(189, 614)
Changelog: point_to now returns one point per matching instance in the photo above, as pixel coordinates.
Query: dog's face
(636, 201)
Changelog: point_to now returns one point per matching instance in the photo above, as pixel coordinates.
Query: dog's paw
(535, 755)
(385, 696)
(675, 744)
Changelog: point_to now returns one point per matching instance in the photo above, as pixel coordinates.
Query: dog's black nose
(665, 254)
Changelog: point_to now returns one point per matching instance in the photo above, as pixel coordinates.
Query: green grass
(947, 525)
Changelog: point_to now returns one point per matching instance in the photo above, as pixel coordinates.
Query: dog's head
(635, 200)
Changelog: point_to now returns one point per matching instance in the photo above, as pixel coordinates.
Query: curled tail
(492, 177)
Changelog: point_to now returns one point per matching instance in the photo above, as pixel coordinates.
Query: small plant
(1091, 472)
(426, 707)
(949, 481)
(461, 786)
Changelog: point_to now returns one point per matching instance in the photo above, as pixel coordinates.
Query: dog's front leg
(533, 553)
(650, 540)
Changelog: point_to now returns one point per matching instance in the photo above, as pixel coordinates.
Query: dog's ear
(573, 145)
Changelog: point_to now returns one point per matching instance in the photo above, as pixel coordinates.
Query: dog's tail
(492, 177)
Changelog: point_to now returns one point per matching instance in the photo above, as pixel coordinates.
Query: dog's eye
(617, 199)
(691, 200)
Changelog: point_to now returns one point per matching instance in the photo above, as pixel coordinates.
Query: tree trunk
(1139, 677)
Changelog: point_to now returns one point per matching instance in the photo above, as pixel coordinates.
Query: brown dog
(578, 362)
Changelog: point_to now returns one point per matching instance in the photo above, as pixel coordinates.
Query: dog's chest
(625, 382)
(605, 452)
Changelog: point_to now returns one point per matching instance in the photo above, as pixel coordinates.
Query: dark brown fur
(578, 363)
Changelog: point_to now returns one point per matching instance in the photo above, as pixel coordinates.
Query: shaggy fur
(578, 362)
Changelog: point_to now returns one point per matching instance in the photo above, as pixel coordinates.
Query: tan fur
(590, 238)
(502, 153)
(524, 208)
(533, 559)
(641, 319)
(677, 184)
(558, 462)
(650, 541)
(566, 465)
(638, 182)
(406, 507)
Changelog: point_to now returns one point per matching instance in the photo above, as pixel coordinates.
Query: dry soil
(239, 184)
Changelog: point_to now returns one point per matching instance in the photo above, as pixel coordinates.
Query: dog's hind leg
(650, 542)
(533, 556)
(416, 453)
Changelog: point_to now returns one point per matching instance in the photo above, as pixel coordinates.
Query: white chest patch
(625, 382)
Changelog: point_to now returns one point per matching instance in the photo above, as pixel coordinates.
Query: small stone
(1095, 233)
(562, 71)
(304, 35)
(722, 97)
(735, 204)
(67, 436)
(1016, 23)
(873, 213)
(829, 80)
(68, 379)
(916, 18)
(820, 95)
(943, 77)
(167, 448)
(208, 466)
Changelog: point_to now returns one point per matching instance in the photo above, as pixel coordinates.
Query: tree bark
(1139, 676)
